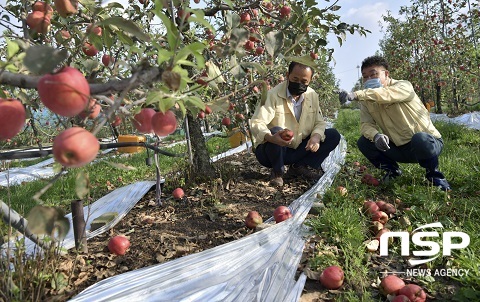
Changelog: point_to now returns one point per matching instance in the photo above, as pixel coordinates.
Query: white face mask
(372, 83)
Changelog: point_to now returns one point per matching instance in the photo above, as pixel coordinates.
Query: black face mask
(296, 88)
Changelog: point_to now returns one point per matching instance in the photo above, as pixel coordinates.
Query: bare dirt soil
(211, 214)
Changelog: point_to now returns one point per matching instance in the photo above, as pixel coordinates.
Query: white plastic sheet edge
(258, 267)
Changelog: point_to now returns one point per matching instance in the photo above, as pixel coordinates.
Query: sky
(355, 48)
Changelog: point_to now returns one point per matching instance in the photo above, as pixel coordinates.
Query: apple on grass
(142, 121)
(370, 207)
(178, 193)
(75, 147)
(65, 93)
(370, 180)
(413, 292)
(118, 245)
(380, 216)
(164, 124)
(281, 213)
(390, 285)
(12, 118)
(332, 277)
(401, 298)
(341, 190)
(253, 219)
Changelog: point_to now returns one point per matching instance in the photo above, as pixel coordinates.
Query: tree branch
(146, 76)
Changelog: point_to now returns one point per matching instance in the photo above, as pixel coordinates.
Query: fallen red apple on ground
(388, 208)
(164, 124)
(401, 298)
(178, 193)
(65, 93)
(341, 190)
(413, 292)
(286, 134)
(332, 277)
(370, 207)
(12, 118)
(118, 245)
(75, 147)
(253, 219)
(370, 180)
(380, 216)
(142, 121)
(390, 285)
(281, 213)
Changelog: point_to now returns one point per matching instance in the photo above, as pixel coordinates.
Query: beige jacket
(278, 111)
(396, 110)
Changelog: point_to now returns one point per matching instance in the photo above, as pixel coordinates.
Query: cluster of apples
(253, 218)
(38, 20)
(395, 287)
(379, 212)
(150, 121)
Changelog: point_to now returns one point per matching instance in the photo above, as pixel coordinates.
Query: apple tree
(434, 45)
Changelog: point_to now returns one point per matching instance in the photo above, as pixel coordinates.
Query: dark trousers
(275, 156)
(422, 147)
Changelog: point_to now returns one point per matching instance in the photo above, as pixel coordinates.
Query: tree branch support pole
(19, 223)
(79, 226)
(189, 143)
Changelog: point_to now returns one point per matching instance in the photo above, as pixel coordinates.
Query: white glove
(381, 142)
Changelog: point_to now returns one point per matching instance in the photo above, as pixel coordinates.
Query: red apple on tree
(332, 277)
(164, 123)
(92, 111)
(226, 121)
(201, 115)
(75, 147)
(89, 49)
(12, 118)
(97, 30)
(65, 93)
(313, 55)
(65, 7)
(118, 245)
(253, 219)
(259, 50)
(38, 21)
(208, 110)
(116, 121)
(42, 7)
(106, 60)
(249, 45)
(285, 12)
(244, 17)
(281, 213)
(178, 193)
(142, 121)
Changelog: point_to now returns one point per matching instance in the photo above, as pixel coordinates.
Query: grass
(342, 224)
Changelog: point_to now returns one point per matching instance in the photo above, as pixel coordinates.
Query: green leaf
(172, 31)
(12, 48)
(41, 220)
(305, 60)
(193, 48)
(321, 42)
(121, 166)
(82, 183)
(42, 59)
(124, 38)
(274, 42)
(195, 101)
(165, 104)
(256, 66)
(127, 26)
(164, 55)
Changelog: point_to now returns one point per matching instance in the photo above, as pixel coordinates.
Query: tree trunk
(202, 168)
(438, 102)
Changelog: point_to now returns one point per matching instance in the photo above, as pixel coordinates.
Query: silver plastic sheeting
(258, 267)
(15, 176)
(471, 120)
(121, 201)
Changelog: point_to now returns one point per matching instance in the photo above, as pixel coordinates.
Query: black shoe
(304, 172)
(276, 179)
(390, 175)
(441, 183)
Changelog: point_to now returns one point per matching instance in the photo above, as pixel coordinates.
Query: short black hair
(293, 64)
(375, 61)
